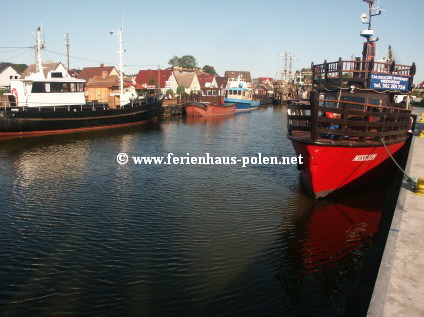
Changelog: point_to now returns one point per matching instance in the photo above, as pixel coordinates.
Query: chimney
(102, 65)
(104, 74)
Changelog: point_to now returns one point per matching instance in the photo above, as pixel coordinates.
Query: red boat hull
(330, 169)
(206, 110)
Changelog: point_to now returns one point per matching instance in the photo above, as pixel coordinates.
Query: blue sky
(227, 34)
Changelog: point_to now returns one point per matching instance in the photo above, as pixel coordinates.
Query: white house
(188, 80)
(6, 74)
(49, 69)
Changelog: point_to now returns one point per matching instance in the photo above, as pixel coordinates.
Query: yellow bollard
(419, 189)
(421, 120)
(422, 134)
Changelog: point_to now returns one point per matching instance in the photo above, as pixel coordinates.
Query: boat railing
(90, 105)
(342, 121)
(358, 70)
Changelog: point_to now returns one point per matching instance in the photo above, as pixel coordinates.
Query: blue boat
(239, 93)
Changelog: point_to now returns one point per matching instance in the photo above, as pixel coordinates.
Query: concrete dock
(399, 289)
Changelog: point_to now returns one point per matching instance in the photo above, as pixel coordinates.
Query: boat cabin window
(43, 87)
(38, 87)
(354, 99)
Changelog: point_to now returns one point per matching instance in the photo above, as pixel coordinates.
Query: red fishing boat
(206, 109)
(353, 122)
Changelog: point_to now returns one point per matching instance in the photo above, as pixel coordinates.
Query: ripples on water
(81, 234)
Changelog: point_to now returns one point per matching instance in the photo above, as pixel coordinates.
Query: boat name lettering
(363, 158)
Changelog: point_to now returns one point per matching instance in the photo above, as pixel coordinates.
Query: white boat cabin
(35, 91)
(239, 89)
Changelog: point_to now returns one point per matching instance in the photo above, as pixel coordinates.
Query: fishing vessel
(353, 124)
(55, 103)
(239, 93)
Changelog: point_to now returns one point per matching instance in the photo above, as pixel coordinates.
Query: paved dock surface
(399, 289)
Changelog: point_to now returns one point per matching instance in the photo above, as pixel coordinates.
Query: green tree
(180, 90)
(186, 61)
(170, 92)
(209, 70)
(175, 61)
(152, 81)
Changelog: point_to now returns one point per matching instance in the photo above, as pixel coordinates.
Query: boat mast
(67, 43)
(39, 45)
(121, 61)
(368, 52)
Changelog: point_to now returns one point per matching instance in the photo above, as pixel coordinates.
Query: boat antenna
(369, 46)
(67, 43)
(121, 60)
(39, 45)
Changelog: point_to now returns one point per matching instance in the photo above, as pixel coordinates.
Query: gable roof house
(232, 74)
(156, 78)
(188, 80)
(6, 74)
(207, 80)
(221, 82)
(49, 69)
(88, 73)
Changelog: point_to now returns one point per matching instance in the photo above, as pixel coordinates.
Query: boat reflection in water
(212, 120)
(334, 235)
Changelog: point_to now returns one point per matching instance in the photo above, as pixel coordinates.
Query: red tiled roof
(90, 72)
(221, 82)
(264, 79)
(204, 78)
(145, 75)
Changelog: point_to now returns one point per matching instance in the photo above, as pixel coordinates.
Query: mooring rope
(410, 179)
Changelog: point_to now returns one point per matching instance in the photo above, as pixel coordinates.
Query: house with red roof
(103, 71)
(207, 80)
(156, 78)
(266, 81)
(221, 82)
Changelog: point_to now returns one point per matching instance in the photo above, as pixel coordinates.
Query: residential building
(188, 80)
(234, 75)
(6, 74)
(207, 80)
(156, 78)
(50, 70)
(221, 82)
(103, 71)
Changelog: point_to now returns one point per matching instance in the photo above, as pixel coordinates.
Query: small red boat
(353, 124)
(206, 109)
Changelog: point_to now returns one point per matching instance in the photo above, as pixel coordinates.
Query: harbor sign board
(389, 82)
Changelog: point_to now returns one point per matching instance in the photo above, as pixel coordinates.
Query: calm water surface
(83, 235)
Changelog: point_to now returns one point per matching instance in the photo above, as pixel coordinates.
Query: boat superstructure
(354, 120)
(51, 101)
(239, 92)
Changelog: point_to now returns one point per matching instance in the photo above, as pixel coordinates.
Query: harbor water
(84, 235)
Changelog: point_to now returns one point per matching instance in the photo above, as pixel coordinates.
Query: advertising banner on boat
(389, 82)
